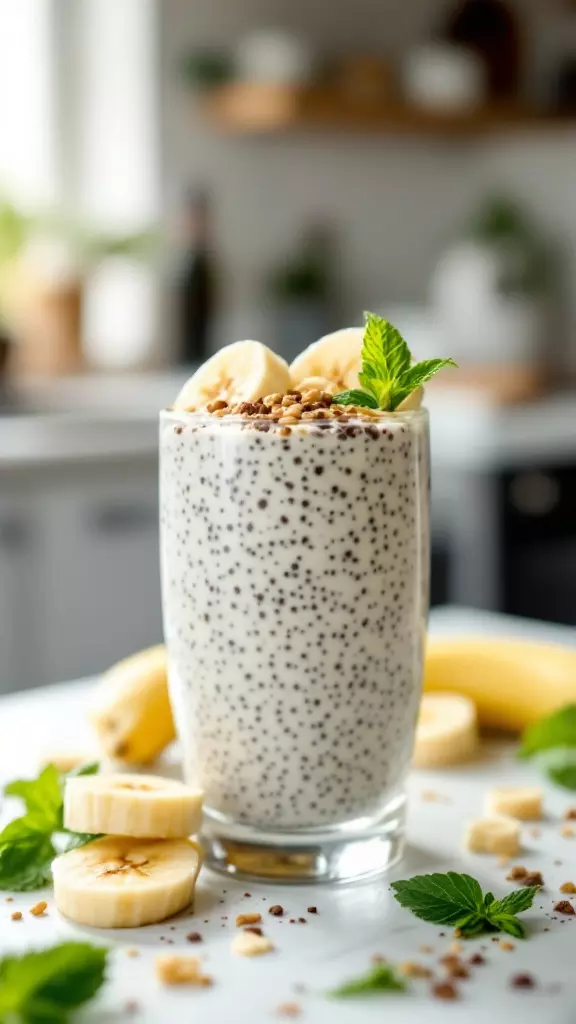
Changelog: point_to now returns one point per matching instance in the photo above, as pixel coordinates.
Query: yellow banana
(131, 709)
(512, 682)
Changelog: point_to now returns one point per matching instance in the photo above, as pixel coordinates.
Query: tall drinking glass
(295, 570)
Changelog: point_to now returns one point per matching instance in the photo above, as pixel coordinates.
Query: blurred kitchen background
(177, 174)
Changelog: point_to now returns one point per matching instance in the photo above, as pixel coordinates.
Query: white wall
(394, 202)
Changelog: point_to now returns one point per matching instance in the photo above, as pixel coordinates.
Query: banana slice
(242, 372)
(498, 835)
(131, 805)
(119, 882)
(521, 802)
(447, 731)
(335, 357)
(131, 710)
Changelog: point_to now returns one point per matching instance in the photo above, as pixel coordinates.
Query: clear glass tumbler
(295, 571)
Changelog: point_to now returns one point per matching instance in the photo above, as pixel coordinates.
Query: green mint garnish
(27, 844)
(387, 376)
(355, 397)
(51, 984)
(381, 978)
(556, 730)
(559, 763)
(457, 900)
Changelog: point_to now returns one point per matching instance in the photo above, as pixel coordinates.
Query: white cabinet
(79, 573)
(19, 656)
(101, 573)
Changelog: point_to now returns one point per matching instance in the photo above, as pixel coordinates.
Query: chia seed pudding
(295, 586)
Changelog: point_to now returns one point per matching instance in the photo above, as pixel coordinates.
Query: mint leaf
(89, 768)
(557, 730)
(381, 978)
(356, 397)
(385, 354)
(510, 924)
(25, 858)
(442, 899)
(386, 377)
(559, 763)
(41, 796)
(415, 377)
(470, 925)
(455, 899)
(48, 986)
(27, 843)
(77, 839)
(515, 902)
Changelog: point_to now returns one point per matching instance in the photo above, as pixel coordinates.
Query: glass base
(352, 852)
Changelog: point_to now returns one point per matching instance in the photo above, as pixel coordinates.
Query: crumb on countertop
(181, 970)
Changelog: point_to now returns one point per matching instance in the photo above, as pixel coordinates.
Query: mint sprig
(457, 900)
(556, 730)
(387, 376)
(51, 984)
(559, 763)
(27, 844)
(553, 741)
(381, 978)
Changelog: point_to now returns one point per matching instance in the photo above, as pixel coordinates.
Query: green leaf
(355, 397)
(381, 978)
(557, 730)
(515, 902)
(90, 768)
(470, 925)
(559, 763)
(42, 796)
(415, 377)
(25, 861)
(440, 898)
(48, 986)
(26, 844)
(454, 899)
(385, 354)
(510, 924)
(74, 840)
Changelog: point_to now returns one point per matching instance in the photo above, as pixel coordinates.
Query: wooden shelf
(246, 109)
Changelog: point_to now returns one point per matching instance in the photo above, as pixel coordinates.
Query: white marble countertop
(353, 922)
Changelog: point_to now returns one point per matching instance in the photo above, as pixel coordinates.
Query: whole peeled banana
(513, 683)
(131, 710)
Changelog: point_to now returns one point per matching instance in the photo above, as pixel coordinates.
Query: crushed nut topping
(181, 970)
(247, 919)
(248, 944)
(567, 832)
(517, 874)
(444, 990)
(290, 1010)
(16, 915)
(568, 887)
(39, 908)
(534, 878)
(523, 981)
(564, 907)
(570, 814)
(414, 970)
(276, 910)
(508, 946)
